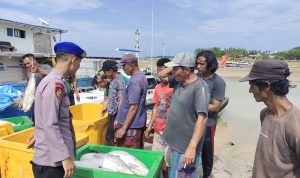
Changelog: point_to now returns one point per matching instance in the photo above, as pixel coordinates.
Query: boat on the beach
(237, 64)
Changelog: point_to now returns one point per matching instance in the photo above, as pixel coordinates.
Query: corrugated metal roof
(34, 26)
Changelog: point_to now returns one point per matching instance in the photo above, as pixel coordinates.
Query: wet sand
(236, 72)
(238, 130)
(233, 157)
(238, 127)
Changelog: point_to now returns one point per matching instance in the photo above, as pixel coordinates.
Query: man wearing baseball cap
(54, 147)
(278, 148)
(131, 118)
(185, 130)
(116, 89)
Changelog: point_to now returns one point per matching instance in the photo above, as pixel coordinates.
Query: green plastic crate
(21, 122)
(153, 161)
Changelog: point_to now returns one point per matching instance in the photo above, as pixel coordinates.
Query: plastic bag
(29, 93)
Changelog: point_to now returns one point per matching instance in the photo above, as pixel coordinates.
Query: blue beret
(71, 48)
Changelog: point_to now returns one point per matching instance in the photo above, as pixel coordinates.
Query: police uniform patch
(59, 88)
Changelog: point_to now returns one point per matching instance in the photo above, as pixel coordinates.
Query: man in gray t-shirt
(186, 125)
(207, 64)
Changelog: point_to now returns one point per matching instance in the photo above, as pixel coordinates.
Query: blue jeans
(178, 169)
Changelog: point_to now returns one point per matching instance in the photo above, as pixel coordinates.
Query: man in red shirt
(161, 98)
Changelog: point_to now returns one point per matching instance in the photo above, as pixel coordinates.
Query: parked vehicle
(85, 85)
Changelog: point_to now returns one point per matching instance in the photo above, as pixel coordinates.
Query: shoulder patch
(59, 89)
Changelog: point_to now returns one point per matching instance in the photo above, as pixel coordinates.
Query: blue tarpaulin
(7, 94)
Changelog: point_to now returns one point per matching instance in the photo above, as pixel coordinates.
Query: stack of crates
(20, 122)
(15, 157)
(14, 124)
(87, 119)
(6, 129)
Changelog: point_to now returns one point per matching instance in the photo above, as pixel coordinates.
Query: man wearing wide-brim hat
(278, 148)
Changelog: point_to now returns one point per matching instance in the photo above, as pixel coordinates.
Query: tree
(198, 50)
(294, 54)
(235, 52)
(217, 51)
(281, 55)
(253, 52)
(265, 54)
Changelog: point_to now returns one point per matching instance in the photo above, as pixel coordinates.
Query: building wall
(88, 67)
(23, 45)
(26, 45)
(11, 72)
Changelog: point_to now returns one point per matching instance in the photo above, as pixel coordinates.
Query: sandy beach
(235, 140)
(232, 159)
(236, 72)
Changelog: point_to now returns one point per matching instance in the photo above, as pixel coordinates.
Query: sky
(101, 26)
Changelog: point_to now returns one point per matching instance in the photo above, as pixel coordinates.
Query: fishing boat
(237, 64)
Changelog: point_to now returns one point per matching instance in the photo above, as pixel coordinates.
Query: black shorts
(110, 134)
(47, 171)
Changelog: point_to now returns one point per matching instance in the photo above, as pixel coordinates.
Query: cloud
(185, 4)
(259, 21)
(218, 4)
(56, 5)
(97, 38)
(182, 24)
(242, 16)
(252, 24)
(113, 10)
(19, 16)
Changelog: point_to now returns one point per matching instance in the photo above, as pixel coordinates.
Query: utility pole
(137, 42)
(164, 47)
(152, 40)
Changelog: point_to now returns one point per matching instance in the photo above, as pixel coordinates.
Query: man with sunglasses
(131, 118)
(278, 148)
